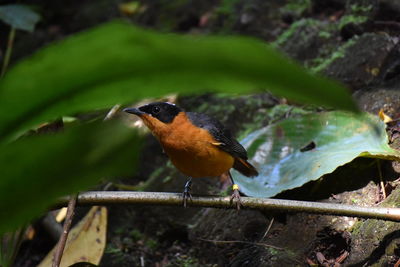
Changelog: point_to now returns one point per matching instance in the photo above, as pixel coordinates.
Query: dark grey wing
(220, 133)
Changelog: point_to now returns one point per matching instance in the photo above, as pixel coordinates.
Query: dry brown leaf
(62, 213)
(384, 117)
(86, 241)
(131, 8)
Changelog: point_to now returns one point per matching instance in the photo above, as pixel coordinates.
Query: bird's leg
(186, 192)
(236, 194)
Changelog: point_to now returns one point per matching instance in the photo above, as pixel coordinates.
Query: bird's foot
(186, 192)
(235, 197)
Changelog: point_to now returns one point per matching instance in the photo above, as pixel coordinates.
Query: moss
(297, 7)
(353, 19)
(136, 235)
(226, 12)
(151, 243)
(115, 252)
(119, 230)
(360, 9)
(250, 127)
(302, 36)
(226, 7)
(324, 34)
(377, 232)
(153, 178)
(280, 111)
(286, 35)
(226, 192)
(273, 251)
(322, 63)
(185, 261)
(167, 179)
(372, 229)
(355, 14)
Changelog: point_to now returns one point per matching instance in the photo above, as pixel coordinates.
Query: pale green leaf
(19, 17)
(281, 155)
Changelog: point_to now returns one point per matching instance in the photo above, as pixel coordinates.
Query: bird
(197, 144)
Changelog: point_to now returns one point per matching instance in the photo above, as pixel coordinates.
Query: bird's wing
(223, 136)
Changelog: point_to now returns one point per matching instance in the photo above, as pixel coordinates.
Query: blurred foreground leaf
(86, 241)
(119, 63)
(35, 171)
(19, 17)
(295, 151)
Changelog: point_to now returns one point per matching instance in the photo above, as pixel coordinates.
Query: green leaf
(295, 151)
(118, 63)
(19, 17)
(36, 170)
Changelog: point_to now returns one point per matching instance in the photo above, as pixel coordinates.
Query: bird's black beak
(135, 111)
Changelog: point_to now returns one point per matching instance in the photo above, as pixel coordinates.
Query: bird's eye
(156, 109)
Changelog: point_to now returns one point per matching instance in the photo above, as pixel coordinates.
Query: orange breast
(192, 151)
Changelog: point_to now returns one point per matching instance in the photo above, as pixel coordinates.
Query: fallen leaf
(385, 118)
(131, 8)
(86, 241)
(285, 159)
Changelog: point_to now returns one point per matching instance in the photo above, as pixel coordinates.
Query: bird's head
(156, 115)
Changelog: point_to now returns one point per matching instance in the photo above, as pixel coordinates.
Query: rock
(375, 241)
(252, 17)
(357, 15)
(328, 4)
(388, 10)
(304, 39)
(294, 10)
(358, 62)
(386, 98)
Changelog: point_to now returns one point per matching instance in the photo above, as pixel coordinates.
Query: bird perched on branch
(197, 144)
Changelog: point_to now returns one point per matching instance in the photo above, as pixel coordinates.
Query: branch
(175, 199)
(9, 48)
(67, 226)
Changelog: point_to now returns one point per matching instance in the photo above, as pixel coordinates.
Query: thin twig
(142, 261)
(268, 228)
(282, 205)
(240, 242)
(397, 264)
(67, 226)
(7, 55)
(381, 178)
(112, 112)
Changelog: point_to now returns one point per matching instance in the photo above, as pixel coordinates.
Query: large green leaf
(285, 157)
(119, 63)
(19, 17)
(36, 170)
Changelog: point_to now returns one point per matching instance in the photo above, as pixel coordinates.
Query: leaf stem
(7, 56)
(282, 205)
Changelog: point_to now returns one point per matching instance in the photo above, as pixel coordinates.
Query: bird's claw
(186, 192)
(235, 197)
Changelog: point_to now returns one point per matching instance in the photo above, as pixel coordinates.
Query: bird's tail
(244, 167)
